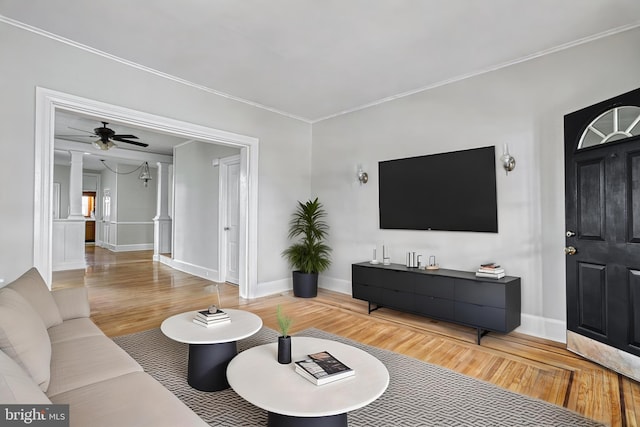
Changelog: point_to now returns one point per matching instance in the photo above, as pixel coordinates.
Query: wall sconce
(145, 175)
(508, 161)
(363, 177)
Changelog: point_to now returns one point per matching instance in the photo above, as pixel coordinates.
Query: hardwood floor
(130, 293)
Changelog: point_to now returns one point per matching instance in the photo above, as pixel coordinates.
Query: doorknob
(227, 229)
(570, 234)
(570, 250)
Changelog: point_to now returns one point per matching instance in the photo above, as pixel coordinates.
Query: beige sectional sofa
(51, 352)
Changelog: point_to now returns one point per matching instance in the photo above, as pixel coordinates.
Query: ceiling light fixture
(145, 173)
(104, 145)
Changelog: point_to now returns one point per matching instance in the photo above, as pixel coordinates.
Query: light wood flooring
(129, 293)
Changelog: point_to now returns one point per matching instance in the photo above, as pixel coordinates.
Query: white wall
(61, 176)
(135, 208)
(196, 222)
(31, 60)
(522, 105)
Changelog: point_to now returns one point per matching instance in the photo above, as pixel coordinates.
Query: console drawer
(366, 293)
(390, 279)
(432, 306)
(480, 293)
(440, 287)
(396, 299)
(480, 316)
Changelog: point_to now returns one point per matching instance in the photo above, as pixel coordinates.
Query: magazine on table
(322, 367)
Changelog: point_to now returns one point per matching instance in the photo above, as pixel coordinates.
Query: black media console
(449, 295)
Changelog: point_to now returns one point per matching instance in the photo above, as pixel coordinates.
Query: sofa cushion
(74, 329)
(134, 399)
(72, 302)
(16, 386)
(83, 361)
(23, 336)
(32, 287)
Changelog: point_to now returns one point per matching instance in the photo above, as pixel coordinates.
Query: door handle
(227, 229)
(570, 250)
(570, 233)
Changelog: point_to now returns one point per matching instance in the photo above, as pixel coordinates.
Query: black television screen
(453, 191)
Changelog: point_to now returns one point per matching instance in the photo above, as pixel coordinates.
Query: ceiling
(77, 128)
(313, 59)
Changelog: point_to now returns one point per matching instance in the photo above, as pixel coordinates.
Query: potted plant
(284, 340)
(310, 255)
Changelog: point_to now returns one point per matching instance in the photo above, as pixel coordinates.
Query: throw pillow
(24, 337)
(32, 287)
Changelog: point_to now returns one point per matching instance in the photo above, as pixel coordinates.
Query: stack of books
(207, 319)
(322, 368)
(491, 271)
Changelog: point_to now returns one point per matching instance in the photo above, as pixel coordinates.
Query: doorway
(48, 101)
(602, 178)
(229, 218)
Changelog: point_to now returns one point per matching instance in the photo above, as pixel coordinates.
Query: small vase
(284, 349)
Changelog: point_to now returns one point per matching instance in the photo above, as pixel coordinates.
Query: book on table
(210, 323)
(322, 368)
(206, 318)
(206, 315)
(490, 275)
(490, 270)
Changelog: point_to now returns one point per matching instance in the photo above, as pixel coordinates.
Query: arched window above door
(612, 125)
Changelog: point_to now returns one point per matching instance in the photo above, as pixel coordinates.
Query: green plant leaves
(310, 254)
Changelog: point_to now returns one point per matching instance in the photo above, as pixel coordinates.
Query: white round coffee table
(210, 349)
(290, 399)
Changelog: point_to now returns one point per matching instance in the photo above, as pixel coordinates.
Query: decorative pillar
(162, 220)
(68, 234)
(75, 186)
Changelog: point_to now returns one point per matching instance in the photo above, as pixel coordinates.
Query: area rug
(419, 394)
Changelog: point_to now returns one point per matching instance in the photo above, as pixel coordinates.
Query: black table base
(207, 369)
(278, 420)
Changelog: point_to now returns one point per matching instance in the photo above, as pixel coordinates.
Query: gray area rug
(419, 394)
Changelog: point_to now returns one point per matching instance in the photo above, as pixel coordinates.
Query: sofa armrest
(72, 302)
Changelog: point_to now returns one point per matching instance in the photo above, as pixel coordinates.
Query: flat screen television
(454, 191)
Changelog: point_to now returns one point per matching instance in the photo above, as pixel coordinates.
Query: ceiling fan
(107, 136)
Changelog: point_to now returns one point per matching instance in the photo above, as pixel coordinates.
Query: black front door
(602, 177)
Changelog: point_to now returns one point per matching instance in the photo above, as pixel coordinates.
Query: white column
(162, 220)
(68, 234)
(75, 186)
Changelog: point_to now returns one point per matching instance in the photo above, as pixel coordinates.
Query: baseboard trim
(63, 266)
(196, 270)
(131, 248)
(271, 288)
(542, 327)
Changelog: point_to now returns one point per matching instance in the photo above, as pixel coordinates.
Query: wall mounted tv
(453, 191)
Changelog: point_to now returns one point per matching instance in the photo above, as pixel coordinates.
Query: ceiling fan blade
(125, 136)
(83, 130)
(75, 136)
(140, 144)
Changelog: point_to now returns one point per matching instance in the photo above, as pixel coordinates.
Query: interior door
(231, 228)
(602, 178)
